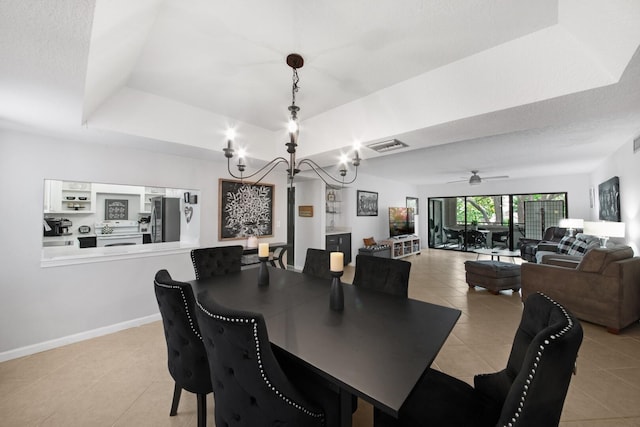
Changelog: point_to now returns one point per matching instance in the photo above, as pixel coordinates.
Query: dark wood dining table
(377, 348)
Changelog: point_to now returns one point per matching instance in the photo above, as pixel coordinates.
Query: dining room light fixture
(295, 61)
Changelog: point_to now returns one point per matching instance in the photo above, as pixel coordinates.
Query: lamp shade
(604, 228)
(571, 223)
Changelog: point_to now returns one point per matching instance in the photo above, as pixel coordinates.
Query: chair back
(318, 263)
(474, 238)
(250, 388)
(216, 261)
(533, 387)
(383, 274)
(186, 355)
(500, 237)
(451, 234)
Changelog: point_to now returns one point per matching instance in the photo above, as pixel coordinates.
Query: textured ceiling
(494, 84)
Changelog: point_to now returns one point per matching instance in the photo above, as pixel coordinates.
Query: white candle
(337, 261)
(263, 250)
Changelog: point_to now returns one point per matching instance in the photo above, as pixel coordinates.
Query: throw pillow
(565, 244)
(369, 241)
(582, 244)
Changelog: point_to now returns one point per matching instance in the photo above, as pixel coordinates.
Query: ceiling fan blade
(496, 177)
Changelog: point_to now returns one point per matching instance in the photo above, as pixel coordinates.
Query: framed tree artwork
(609, 200)
(367, 203)
(246, 209)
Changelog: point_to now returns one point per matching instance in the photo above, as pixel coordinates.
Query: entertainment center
(402, 246)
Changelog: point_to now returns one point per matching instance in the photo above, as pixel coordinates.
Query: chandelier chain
(295, 86)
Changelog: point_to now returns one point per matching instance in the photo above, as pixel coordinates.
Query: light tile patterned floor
(122, 379)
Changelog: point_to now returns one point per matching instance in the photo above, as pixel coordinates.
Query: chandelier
(294, 61)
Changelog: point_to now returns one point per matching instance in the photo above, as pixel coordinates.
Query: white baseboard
(82, 336)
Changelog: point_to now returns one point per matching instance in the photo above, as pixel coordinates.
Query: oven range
(117, 233)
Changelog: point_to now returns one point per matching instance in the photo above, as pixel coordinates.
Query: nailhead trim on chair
(259, 357)
(193, 261)
(534, 369)
(186, 306)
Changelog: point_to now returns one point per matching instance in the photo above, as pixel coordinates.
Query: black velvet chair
(249, 385)
(529, 392)
(217, 261)
(383, 274)
(186, 355)
(318, 263)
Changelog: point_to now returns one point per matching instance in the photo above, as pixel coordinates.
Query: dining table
(376, 348)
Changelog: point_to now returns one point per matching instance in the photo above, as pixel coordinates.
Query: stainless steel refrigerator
(165, 219)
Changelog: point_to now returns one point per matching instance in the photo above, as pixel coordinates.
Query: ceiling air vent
(636, 145)
(386, 146)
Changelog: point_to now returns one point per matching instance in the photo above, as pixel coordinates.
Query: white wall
(44, 307)
(390, 194)
(625, 165)
(309, 230)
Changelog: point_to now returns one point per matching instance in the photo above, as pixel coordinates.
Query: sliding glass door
(492, 221)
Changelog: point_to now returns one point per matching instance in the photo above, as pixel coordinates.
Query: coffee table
(497, 253)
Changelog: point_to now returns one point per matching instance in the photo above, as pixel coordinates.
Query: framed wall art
(609, 200)
(305, 211)
(367, 203)
(116, 209)
(246, 209)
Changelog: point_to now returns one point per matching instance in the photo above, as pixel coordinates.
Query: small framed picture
(305, 211)
(367, 203)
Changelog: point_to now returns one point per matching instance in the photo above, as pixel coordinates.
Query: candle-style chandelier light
(295, 61)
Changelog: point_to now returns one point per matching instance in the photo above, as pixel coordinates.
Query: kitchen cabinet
(87, 242)
(339, 243)
(69, 197)
(149, 193)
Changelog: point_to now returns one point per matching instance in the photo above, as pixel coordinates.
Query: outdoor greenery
(494, 209)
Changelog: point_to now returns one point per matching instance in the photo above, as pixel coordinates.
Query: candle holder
(336, 299)
(263, 274)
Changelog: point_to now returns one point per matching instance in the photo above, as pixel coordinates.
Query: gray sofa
(602, 287)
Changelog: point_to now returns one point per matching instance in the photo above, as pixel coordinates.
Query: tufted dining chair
(186, 355)
(216, 261)
(250, 387)
(529, 392)
(318, 263)
(383, 274)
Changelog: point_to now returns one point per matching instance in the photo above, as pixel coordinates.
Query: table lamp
(604, 230)
(571, 224)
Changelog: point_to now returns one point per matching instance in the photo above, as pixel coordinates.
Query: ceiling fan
(475, 179)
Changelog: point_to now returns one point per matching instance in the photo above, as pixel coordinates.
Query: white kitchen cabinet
(68, 197)
(149, 193)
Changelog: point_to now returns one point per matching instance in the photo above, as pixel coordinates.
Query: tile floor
(122, 380)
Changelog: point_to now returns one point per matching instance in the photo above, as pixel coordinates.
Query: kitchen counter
(70, 255)
(337, 230)
(68, 240)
